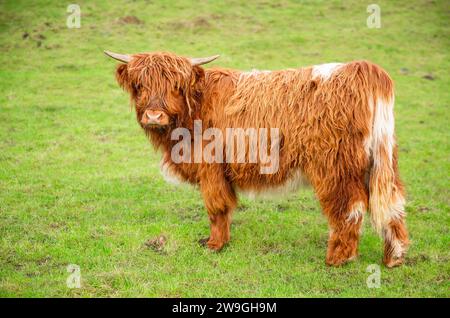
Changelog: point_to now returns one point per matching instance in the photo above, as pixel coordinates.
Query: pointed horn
(203, 60)
(120, 57)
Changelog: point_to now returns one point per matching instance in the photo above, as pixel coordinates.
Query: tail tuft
(386, 199)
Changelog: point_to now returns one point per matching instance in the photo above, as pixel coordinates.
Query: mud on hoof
(203, 241)
(339, 261)
(211, 244)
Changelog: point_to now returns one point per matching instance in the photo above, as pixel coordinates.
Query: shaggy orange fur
(336, 131)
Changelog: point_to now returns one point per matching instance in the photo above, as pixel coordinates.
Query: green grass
(80, 184)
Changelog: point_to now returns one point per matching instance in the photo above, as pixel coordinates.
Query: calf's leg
(396, 242)
(220, 201)
(345, 206)
(220, 224)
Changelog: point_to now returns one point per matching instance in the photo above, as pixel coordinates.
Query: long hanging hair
(155, 76)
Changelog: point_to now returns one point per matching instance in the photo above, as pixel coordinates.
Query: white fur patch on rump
(325, 70)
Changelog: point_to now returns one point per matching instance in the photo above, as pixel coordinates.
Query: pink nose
(154, 119)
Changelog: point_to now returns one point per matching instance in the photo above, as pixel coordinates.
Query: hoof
(393, 262)
(336, 262)
(211, 245)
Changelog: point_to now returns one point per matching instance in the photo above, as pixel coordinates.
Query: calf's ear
(197, 76)
(122, 76)
(124, 79)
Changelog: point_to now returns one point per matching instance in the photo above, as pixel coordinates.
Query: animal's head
(164, 88)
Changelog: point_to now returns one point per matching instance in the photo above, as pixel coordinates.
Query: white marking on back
(325, 70)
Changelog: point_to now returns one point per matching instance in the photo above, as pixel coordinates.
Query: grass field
(80, 184)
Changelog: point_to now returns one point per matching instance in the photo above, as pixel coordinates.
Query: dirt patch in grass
(429, 77)
(197, 23)
(282, 207)
(157, 244)
(130, 19)
(415, 259)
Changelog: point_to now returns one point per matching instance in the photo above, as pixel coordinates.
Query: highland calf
(334, 127)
